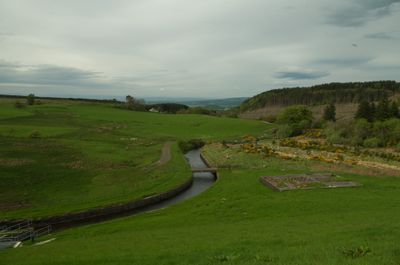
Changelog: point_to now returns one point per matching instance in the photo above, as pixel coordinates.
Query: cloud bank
(193, 48)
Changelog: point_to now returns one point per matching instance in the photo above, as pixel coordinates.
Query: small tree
(330, 112)
(30, 99)
(365, 111)
(297, 119)
(134, 104)
(129, 101)
(295, 114)
(394, 110)
(383, 110)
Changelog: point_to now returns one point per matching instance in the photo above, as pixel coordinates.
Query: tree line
(353, 92)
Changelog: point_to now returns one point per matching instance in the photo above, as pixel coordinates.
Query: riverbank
(196, 184)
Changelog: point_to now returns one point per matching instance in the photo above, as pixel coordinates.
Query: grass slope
(89, 155)
(239, 221)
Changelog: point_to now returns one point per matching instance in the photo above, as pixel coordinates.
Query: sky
(191, 48)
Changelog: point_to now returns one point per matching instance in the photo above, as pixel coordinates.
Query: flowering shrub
(249, 139)
(314, 133)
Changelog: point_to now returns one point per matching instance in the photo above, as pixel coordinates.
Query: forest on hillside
(353, 92)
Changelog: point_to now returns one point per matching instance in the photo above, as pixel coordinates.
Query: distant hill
(347, 95)
(217, 104)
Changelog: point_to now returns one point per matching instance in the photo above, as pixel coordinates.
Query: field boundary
(104, 213)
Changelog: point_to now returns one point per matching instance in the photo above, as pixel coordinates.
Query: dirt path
(165, 154)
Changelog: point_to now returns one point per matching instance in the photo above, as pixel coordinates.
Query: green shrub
(298, 118)
(387, 131)
(295, 114)
(398, 147)
(284, 131)
(269, 118)
(356, 252)
(319, 124)
(356, 140)
(362, 129)
(337, 138)
(372, 142)
(338, 133)
(192, 144)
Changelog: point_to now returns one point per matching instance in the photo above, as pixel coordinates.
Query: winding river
(201, 182)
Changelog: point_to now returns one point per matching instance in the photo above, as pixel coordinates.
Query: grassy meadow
(240, 221)
(65, 156)
(236, 221)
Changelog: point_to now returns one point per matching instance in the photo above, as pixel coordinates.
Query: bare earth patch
(305, 181)
(165, 154)
(10, 162)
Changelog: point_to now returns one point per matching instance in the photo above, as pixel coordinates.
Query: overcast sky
(191, 48)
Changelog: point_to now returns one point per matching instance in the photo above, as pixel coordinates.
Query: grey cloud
(373, 4)
(192, 48)
(300, 75)
(358, 13)
(384, 35)
(344, 62)
(14, 73)
(10, 65)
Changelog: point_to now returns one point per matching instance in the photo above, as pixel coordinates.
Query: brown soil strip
(165, 154)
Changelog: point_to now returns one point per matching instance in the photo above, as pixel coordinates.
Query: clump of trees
(361, 132)
(384, 110)
(30, 99)
(198, 110)
(132, 103)
(295, 120)
(171, 108)
(375, 125)
(135, 104)
(192, 144)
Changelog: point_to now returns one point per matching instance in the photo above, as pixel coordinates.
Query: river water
(201, 182)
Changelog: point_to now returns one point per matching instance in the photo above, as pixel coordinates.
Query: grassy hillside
(344, 112)
(66, 156)
(240, 221)
(345, 95)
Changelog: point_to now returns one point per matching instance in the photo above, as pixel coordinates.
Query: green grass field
(237, 221)
(63, 157)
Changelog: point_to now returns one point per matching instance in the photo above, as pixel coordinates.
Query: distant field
(67, 156)
(240, 221)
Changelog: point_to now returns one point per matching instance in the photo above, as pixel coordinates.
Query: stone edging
(111, 211)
